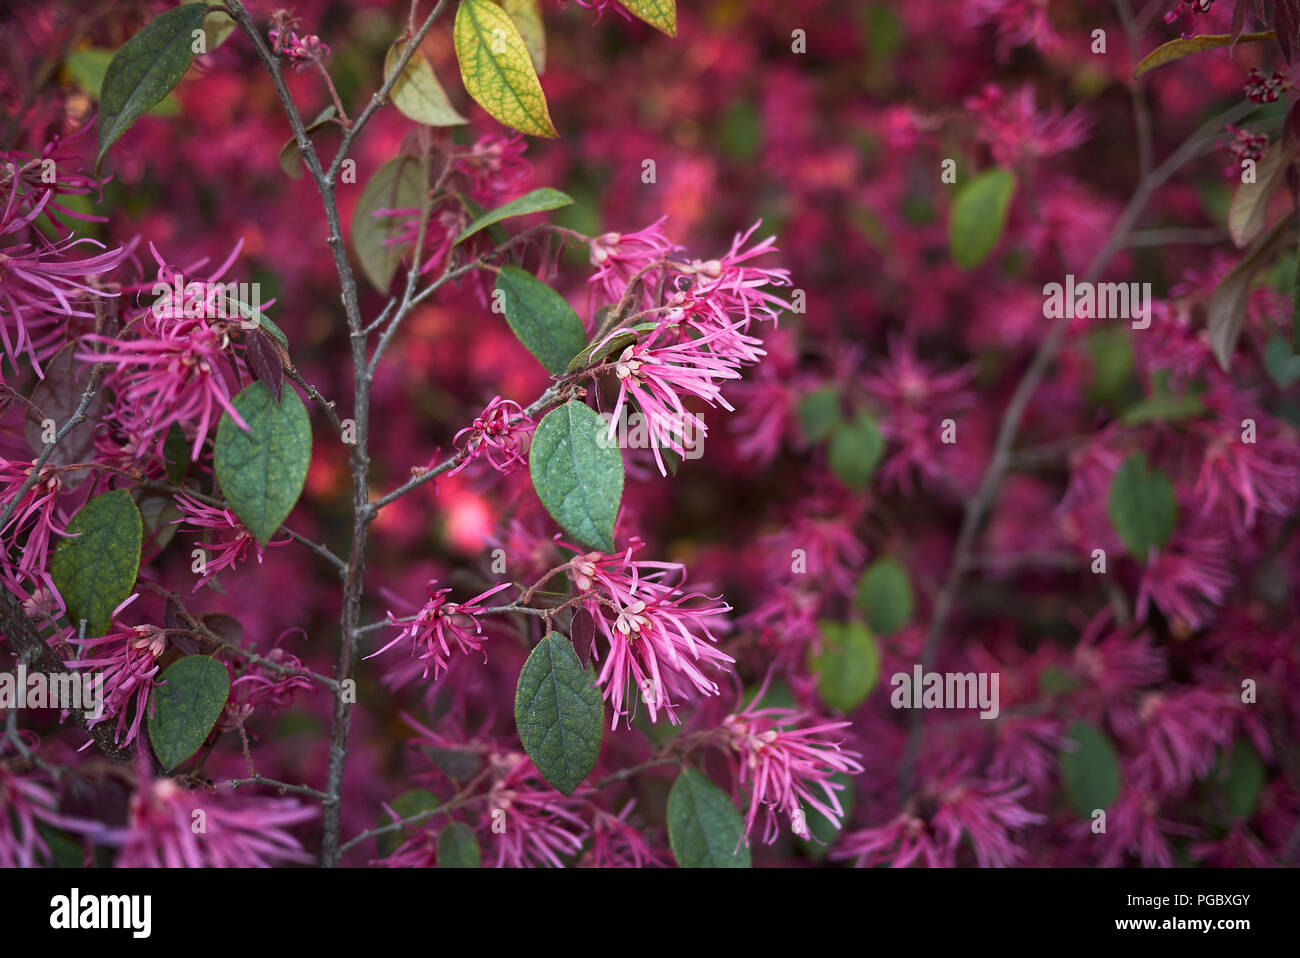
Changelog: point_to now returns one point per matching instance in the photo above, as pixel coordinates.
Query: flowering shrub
(517, 433)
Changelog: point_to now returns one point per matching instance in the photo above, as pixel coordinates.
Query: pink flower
(657, 642)
(224, 534)
(618, 257)
(725, 287)
(915, 396)
(898, 843)
(1018, 132)
(1246, 479)
(1189, 578)
(128, 658)
(494, 168)
(788, 767)
(617, 844)
(986, 815)
(527, 822)
(39, 288)
(303, 51)
(657, 377)
(439, 624)
(1179, 735)
(1018, 22)
(500, 435)
(1135, 827)
(260, 686)
(169, 827)
(27, 801)
(36, 516)
(171, 368)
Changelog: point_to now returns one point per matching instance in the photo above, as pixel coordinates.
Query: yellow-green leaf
(88, 66)
(660, 14)
(417, 92)
(527, 15)
(1184, 46)
(497, 70)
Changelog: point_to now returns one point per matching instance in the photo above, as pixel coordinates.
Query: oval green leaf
(88, 66)
(1246, 775)
(1090, 771)
(458, 848)
(417, 92)
(1142, 506)
(497, 70)
(396, 185)
(885, 596)
(186, 704)
(541, 318)
(577, 474)
(145, 70)
(291, 156)
(96, 567)
(262, 469)
(559, 713)
(978, 216)
(819, 412)
(537, 201)
(855, 451)
(847, 666)
(704, 828)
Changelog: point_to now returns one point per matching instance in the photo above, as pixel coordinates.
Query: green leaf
(527, 15)
(577, 473)
(885, 596)
(541, 318)
(855, 451)
(1090, 772)
(176, 454)
(291, 156)
(262, 469)
(1283, 365)
(458, 848)
(1248, 212)
(559, 713)
(1055, 680)
(1164, 407)
(1176, 49)
(1295, 304)
(1245, 779)
(217, 28)
(95, 569)
(819, 412)
(613, 344)
(262, 322)
(497, 69)
(537, 201)
(406, 805)
(847, 666)
(1142, 506)
(186, 705)
(88, 67)
(397, 184)
(145, 70)
(704, 828)
(979, 214)
(660, 14)
(1227, 309)
(417, 93)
